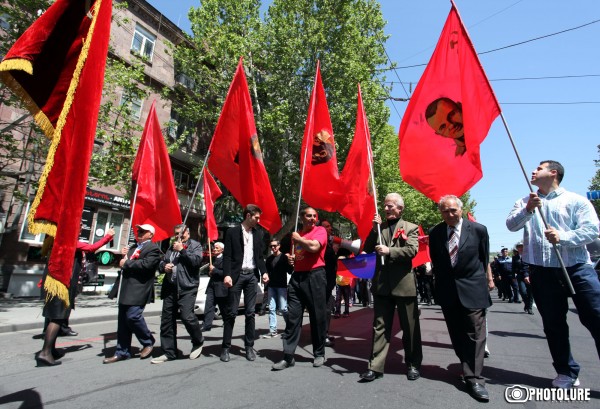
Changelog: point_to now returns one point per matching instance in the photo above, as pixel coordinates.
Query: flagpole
(209, 252)
(371, 171)
(200, 176)
(560, 259)
(130, 226)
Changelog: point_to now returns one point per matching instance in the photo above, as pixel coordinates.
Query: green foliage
(280, 58)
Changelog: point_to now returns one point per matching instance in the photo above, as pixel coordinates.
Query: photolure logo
(521, 394)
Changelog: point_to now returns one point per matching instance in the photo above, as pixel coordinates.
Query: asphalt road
(519, 355)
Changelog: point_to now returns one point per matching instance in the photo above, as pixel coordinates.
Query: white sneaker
(196, 351)
(160, 360)
(565, 382)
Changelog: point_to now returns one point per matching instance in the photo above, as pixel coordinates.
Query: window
(4, 24)
(182, 180)
(103, 222)
(134, 104)
(143, 42)
(26, 235)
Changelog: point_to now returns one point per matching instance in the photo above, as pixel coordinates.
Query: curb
(73, 321)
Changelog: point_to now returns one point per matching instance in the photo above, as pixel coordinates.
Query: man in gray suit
(394, 287)
(136, 290)
(459, 252)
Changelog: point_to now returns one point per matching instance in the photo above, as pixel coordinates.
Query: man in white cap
(136, 290)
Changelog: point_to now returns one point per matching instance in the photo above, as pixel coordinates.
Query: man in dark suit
(181, 266)
(394, 287)
(459, 252)
(136, 290)
(243, 264)
(216, 292)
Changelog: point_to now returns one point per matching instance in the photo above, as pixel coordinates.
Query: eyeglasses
(274, 245)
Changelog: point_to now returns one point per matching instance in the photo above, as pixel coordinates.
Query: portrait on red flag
(322, 149)
(447, 118)
(444, 116)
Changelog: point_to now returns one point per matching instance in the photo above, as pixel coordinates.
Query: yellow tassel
(17, 64)
(40, 118)
(55, 288)
(45, 226)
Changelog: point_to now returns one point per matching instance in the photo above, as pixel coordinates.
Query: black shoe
(205, 329)
(370, 375)
(225, 355)
(68, 333)
(43, 362)
(478, 391)
(413, 373)
(57, 353)
(329, 342)
(530, 311)
(486, 354)
(283, 364)
(250, 353)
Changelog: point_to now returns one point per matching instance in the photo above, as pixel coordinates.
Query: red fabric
(321, 186)
(53, 44)
(156, 202)
(471, 217)
(93, 247)
(211, 194)
(235, 157)
(433, 164)
(422, 256)
(306, 261)
(359, 205)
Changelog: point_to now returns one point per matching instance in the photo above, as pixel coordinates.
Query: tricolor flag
(447, 118)
(155, 201)
(57, 68)
(361, 266)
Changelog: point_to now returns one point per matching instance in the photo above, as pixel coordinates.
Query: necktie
(453, 246)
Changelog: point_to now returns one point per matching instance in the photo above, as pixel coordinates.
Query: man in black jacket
(135, 291)
(242, 266)
(216, 292)
(181, 267)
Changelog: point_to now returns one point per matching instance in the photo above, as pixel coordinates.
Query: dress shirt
(248, 260)
(571, 214)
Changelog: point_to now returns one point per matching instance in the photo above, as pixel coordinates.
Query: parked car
(201, 297)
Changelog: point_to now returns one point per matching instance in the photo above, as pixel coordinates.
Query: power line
(520, 78)
(508, 46)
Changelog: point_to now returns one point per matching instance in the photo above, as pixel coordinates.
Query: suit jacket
(187, 274)
(216, 279)
(137, 275)
(395, 277)
(233, 254)
(465, 283)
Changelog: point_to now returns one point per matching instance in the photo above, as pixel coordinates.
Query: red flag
(57, 68)
(359, 206)
(156, 201)
(471, 217)
(321, 187)
(422, 256)
(211, 194)
(447, 118)
(235, 155)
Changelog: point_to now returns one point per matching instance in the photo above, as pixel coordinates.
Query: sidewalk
(20, 314)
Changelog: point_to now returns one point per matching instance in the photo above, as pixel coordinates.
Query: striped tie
(453, 246)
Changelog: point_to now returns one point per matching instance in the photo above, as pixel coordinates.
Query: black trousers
(209, 307)
(467, 330)
(184, 304)
(306, 290)
(246, 283)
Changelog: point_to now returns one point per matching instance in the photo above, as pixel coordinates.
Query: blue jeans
(277, 298)
(552, 301)
(131, 321)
